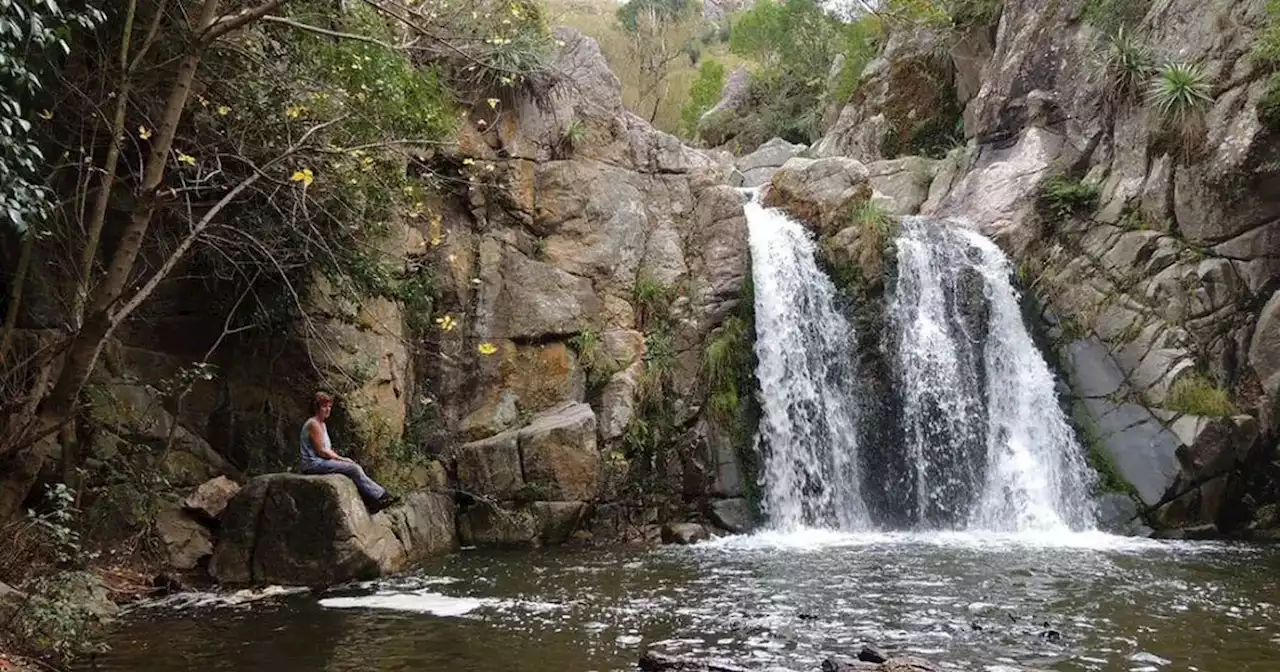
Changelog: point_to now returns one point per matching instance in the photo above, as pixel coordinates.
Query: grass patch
(1269, 105)
(1197, 395)
(1111, 15)
(1068, 198)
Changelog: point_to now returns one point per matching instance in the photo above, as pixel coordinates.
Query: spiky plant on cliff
(1126, 64)
(1181, 94)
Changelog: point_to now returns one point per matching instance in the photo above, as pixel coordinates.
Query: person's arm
(321, 446)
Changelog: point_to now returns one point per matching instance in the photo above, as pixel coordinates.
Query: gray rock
(557, 521)
(424, 524)
(11, 602)
(819, 192)
(489, 525)
(490, 467)
(540, 300)
(186, 541)
(210, 499)
(558, 453)
(903, 182)
(684, 533)
(1264, 350)
(302, 530)
(618, 401)
(759, 166)
(1092, 371)
(1116, 512)
(1144, 452)
(734, 515)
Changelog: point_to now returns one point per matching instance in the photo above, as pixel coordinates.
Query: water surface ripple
(773, 602)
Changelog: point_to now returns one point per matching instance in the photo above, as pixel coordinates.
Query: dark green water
(767, 603)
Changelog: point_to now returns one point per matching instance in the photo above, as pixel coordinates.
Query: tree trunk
(15, 296)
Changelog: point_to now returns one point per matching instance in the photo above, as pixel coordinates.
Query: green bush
(704, 92)
(1197, 395)
(595, 361)
(1067, 198)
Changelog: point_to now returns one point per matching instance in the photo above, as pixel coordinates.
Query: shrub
(1180, 94)
(1197, 395)
(1066, 198)
(1126, 64)
(729, 365)
(703, 94)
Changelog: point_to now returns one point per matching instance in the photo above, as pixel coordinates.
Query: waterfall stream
(982, 443)
(809, 422)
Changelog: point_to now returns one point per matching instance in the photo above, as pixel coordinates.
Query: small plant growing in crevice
(1196, 395)
(877, 227)
(729, 367)
(1127, 65)
(593, 357)
(652, 301)
(1067, 198)
(1180, 94)
(1269, 104)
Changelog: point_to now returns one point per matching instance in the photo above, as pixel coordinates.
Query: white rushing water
(805, 347)
(981, 443)
(988, 439)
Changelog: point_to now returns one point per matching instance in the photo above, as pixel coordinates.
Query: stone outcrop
(315, 531)
(758, 167)
(186, 540)
(210, 499)
(822, 192)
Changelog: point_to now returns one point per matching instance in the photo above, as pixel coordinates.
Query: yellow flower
(186, 158)
(223, 110)
(295, 111)
(468, 161)
(305, 176)
(144, 133)
(46, 115)
(487, 348)
(452, 258)
(477, 281)
(493, 103)
(436, 240)
(447, 323)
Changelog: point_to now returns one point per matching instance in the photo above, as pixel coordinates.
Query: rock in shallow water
(656, 662)
(684, 533)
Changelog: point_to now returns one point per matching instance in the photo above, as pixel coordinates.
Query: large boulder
(186, 541)
(819, 192)
(424, 524)
(559, 455)
(758, 167)
(303, 530)
(734, 515)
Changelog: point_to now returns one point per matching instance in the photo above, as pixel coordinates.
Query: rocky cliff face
(1159, 280)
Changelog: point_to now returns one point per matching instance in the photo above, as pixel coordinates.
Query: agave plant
(1127, 63)
(1180, 93)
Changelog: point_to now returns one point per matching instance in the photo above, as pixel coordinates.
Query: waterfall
(982, 442)
(991, 447)
(808, 431)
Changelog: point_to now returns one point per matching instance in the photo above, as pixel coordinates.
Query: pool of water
(767, 602)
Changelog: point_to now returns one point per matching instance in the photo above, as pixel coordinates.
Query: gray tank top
(309, 454)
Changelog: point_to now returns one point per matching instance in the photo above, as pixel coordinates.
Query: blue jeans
(368, 488)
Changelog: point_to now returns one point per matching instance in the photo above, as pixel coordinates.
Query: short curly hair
(321, 399)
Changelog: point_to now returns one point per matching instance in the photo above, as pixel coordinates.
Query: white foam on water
(819, 539)
(196, 600)
(421, 602)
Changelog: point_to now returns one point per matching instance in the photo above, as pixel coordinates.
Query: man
(318, 457)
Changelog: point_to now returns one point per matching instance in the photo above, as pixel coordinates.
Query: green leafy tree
(703, 94)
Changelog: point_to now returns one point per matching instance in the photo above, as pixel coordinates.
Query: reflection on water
(769, 602)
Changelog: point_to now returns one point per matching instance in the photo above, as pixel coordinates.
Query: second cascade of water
(989, 446)
(982, 443)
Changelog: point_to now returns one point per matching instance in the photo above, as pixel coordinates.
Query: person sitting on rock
(318, 457)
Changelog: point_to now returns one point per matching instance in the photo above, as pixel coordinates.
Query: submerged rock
(684, 533)
(656, 662)
(734, 515)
